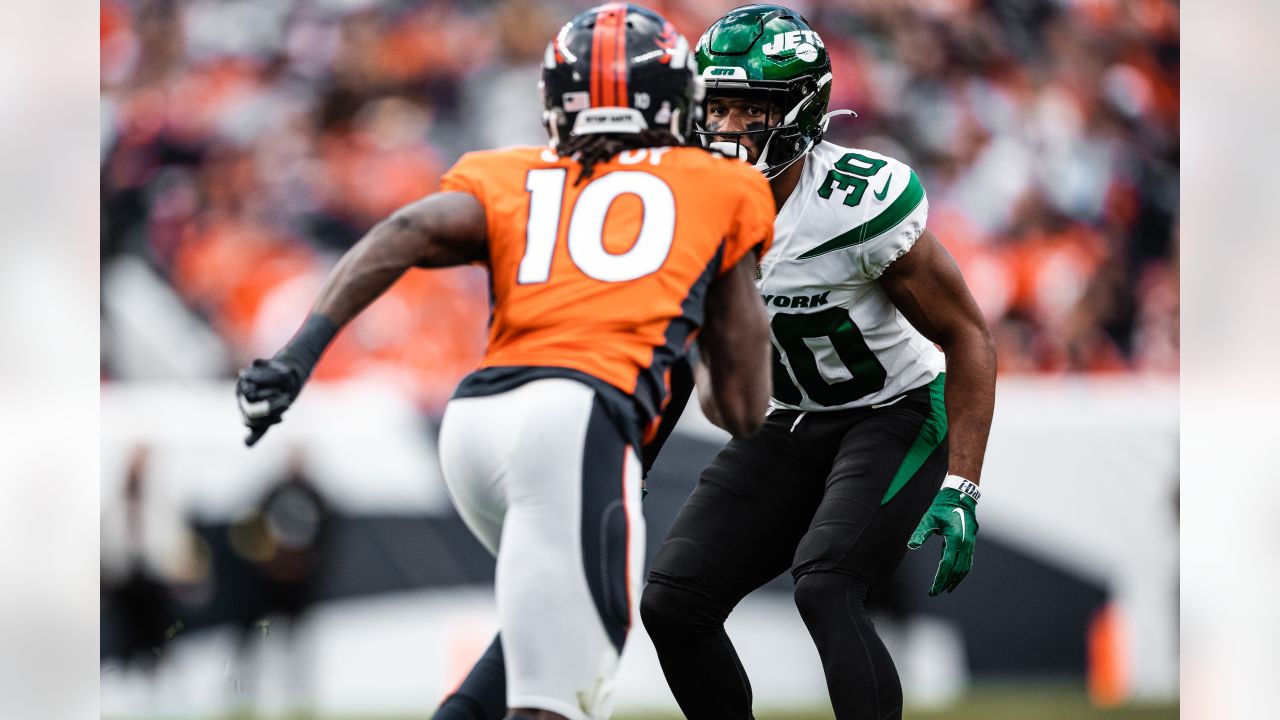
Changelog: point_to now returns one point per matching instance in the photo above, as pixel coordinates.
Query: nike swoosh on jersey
(884, 190)
(958, 510)
(888, 219)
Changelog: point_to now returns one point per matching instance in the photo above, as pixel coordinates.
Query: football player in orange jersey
(609, 252)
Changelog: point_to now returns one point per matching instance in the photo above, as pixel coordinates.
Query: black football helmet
(619, 68)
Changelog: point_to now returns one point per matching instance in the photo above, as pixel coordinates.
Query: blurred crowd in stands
(247, 143)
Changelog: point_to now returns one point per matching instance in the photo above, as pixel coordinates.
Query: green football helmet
(768, 53)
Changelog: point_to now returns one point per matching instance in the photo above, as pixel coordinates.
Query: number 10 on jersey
(586, 225)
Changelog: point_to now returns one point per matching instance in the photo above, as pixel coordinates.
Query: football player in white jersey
(863, 453)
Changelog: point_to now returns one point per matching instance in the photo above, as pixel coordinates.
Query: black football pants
(834, 496)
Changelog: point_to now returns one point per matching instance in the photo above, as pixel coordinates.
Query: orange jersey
(609, 276)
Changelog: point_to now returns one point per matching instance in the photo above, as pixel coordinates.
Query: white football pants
(545, 479)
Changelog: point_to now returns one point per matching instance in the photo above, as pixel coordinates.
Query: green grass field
(985, 701)
(1004, 701)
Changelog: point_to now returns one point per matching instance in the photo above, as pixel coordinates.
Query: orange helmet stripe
(608, 57)
(597, 34)
(620, 58)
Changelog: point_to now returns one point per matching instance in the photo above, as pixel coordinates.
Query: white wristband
(955, 482)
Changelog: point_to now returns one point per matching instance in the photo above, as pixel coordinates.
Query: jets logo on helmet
(768, 53)
(798, 42)
(619, 68)
(725, 72)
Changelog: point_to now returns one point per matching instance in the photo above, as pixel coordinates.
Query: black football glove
(265, 390)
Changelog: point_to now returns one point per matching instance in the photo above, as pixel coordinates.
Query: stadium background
(246, 144)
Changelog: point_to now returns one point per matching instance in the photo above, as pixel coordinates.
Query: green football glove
(952, 515)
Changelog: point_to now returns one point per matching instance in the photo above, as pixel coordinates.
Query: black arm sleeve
(304, 350)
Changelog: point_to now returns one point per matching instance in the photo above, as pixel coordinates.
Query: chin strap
(826, 119)
(762, 163)
(773, 172)
(551, 121)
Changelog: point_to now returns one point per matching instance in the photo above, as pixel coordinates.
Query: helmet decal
(794, 41)
(575, 101)
(562, 50)
(596, 120)
(716, 71)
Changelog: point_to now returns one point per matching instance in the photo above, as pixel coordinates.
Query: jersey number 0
(586, 226)
(792, 333)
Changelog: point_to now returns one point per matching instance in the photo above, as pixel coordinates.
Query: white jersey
(838, 342)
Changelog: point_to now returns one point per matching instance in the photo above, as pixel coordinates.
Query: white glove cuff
(955, 482)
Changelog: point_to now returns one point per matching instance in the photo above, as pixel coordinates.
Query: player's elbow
(740, 414)
(743, 424)
(401, 225)
(987, 343)
(972, 338)
(983, 344)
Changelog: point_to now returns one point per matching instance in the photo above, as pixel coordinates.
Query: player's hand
(265, 390)
(952, 515)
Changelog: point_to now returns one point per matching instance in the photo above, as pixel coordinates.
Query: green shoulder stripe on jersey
(898, 210)
(930, 437)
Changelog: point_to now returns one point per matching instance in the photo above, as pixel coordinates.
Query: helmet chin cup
(729, 149)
